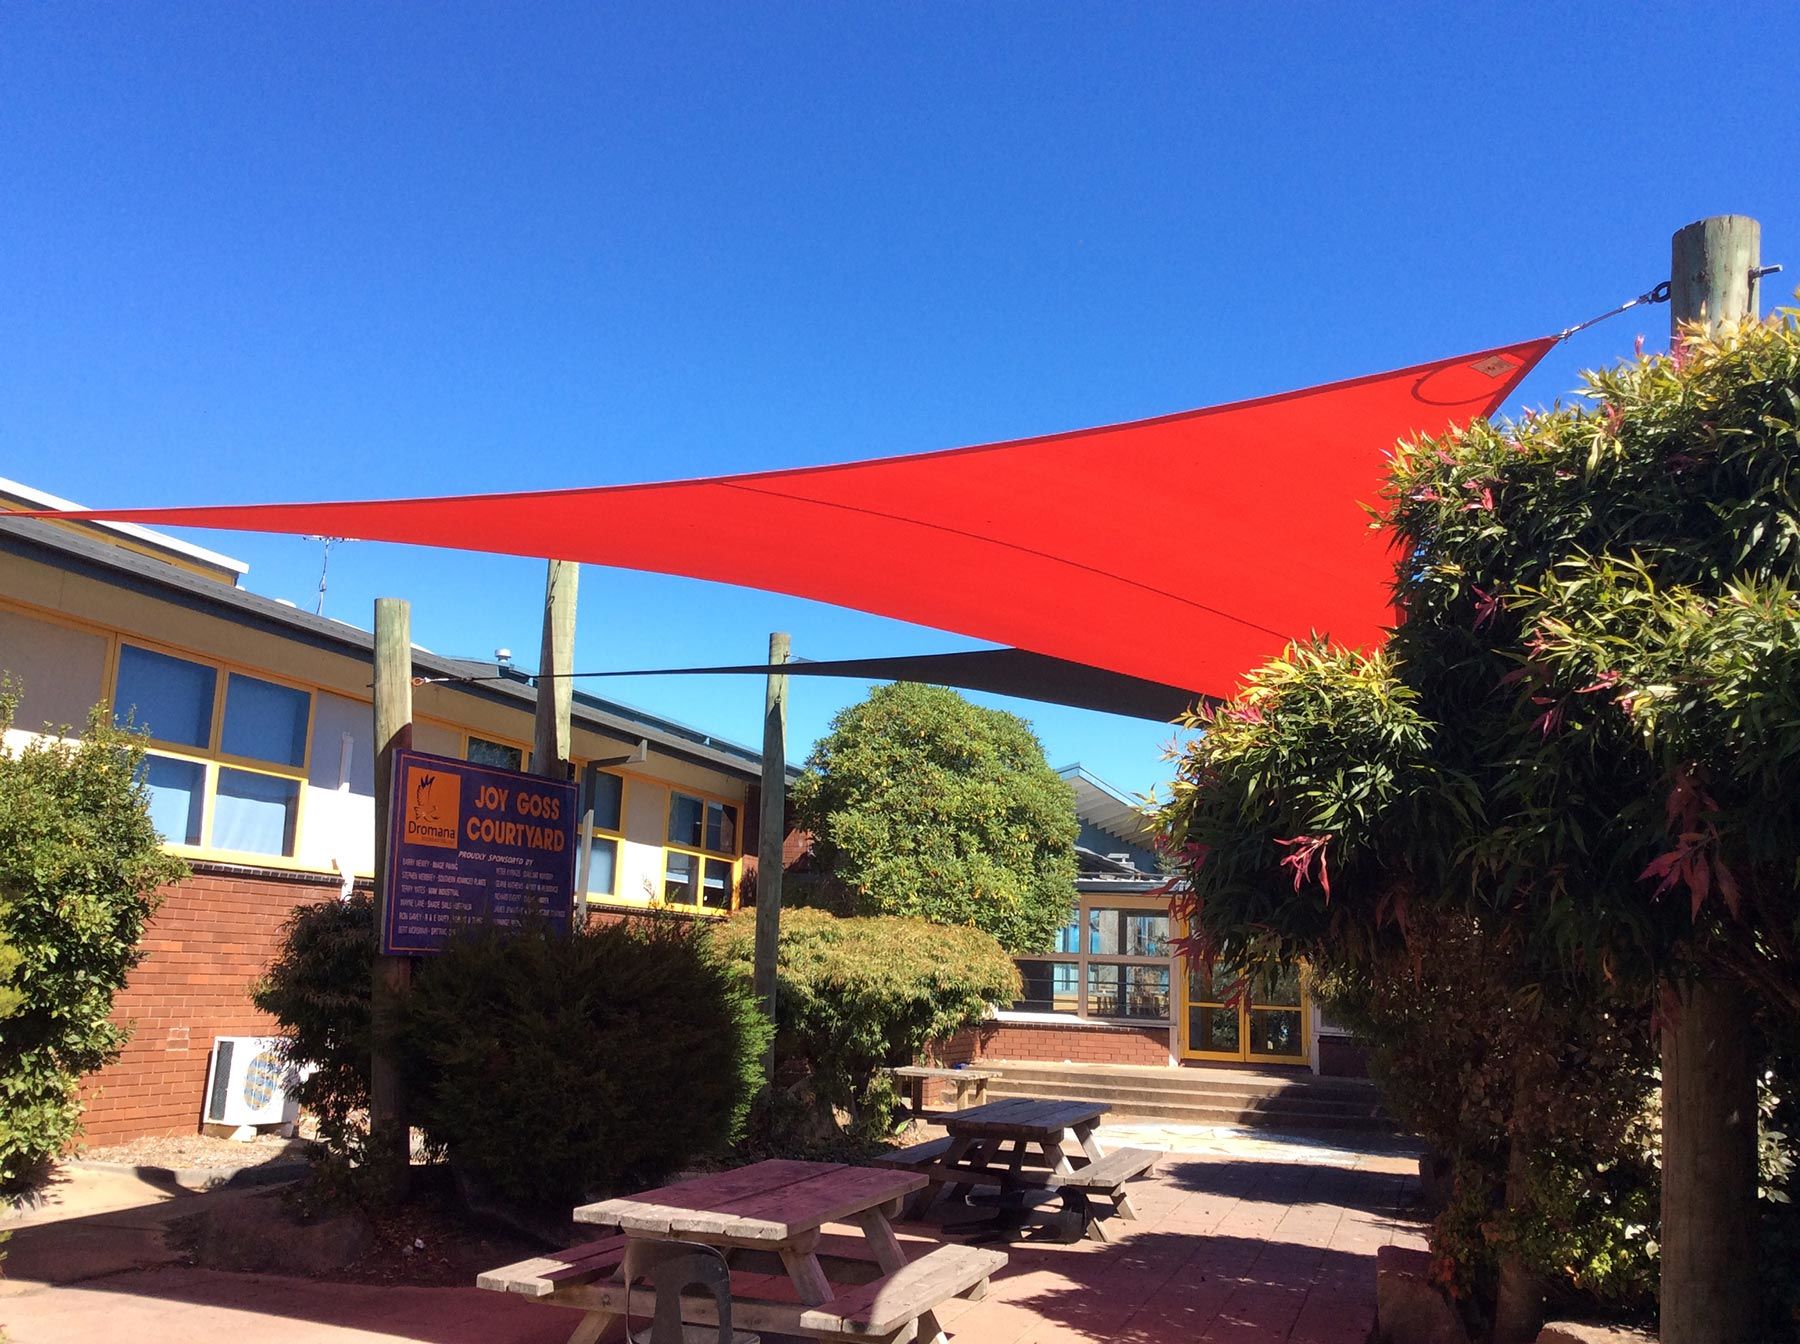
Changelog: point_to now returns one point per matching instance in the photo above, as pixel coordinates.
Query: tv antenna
(324, 568)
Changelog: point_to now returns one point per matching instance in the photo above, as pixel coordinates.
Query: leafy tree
(923, 804)
(857, 996)
(1581, 736)
(80, 865)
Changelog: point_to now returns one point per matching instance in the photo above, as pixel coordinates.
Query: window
(699, 823)
(500, 755)
(170, 698)
(700, 865)
(230, 777)
(1111, 961)
(603, 795)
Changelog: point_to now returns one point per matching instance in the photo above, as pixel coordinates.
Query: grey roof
(1100, 805)
(126, 569)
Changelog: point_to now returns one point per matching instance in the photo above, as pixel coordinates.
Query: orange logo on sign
(433, 807)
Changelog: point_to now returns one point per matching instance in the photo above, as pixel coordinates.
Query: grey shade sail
(1015, 672)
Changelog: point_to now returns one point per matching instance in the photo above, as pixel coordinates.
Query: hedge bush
(555, 1066)
(549, 1066)
(858, 995)
(80, 866)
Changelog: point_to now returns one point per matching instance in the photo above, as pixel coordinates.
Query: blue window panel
(177, 797)
(265, 722)
(1048, 987)
(170, 697)
(603, 866)
(496, 754)
(1068, 938)
(687, 820)
(721, 828)
(604, 794)
(716, 888)
(681, 874)
(255, 814)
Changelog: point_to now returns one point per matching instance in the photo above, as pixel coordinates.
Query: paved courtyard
(1244, 1238)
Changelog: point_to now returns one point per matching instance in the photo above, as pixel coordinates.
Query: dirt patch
(179, 1152)
(427, 1242)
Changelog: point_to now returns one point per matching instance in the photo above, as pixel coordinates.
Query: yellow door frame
(1246, 1005)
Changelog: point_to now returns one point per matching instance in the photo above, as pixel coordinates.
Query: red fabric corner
(1186, 549)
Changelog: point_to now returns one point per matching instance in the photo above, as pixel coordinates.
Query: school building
(261, 773)
(1114, 991)
(261, 776)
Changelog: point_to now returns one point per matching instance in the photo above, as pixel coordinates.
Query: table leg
(592, 1327)
(980, 1152)
(1084, 1135)
(891, 1257)
(1091, 1146)
(808, 1275)
(1057, 1156)
(922, 1202)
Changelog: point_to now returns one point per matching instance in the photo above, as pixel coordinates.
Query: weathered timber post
(556, 660)
(551, 731)
(771, 823)
(389, 1126)
(1709, 1214)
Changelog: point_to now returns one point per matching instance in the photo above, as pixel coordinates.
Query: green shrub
(548, 1065)
(859, 995)
(1480, 1067)
(922, 804)
(80, 865)
(318, 988)
(553, 1066)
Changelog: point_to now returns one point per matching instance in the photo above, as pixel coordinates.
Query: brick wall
(212, 937)
(1081, 1044)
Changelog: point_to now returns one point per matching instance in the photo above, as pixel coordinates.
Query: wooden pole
(390, 1132)
(556, 659)
(1709, 1214)
(772, 822)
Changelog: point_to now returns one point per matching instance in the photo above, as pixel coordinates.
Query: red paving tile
(1227, 1251)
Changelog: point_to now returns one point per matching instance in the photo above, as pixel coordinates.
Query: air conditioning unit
(250, 1082)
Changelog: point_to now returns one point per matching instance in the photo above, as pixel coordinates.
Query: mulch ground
(180, 1152)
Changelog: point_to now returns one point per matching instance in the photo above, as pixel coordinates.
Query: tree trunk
(1709, 1168)
(1519, 1297)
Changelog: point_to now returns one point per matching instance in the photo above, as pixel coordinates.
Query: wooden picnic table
(965, 1081)
(786, 1274)
(992, 1145)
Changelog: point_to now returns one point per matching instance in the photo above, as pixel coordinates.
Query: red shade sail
(1183, 550)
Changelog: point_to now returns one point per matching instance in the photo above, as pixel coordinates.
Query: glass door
(1276, 1013)
(1213, 1029)
(1266, 1025)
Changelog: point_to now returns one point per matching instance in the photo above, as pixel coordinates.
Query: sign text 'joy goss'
(471, 843)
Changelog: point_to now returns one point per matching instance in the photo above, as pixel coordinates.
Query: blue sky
(316, 251)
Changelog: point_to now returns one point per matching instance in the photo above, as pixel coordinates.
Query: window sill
(1086, 1023)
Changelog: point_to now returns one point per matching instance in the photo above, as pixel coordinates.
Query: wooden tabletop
(772, 1202)
(1024, 1117)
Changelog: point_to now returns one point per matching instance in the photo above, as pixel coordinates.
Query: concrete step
(1188, 1079)
(1202, 1097)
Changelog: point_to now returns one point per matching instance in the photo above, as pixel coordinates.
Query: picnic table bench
(970, 1084)
(785, 1274)
(992, 1146)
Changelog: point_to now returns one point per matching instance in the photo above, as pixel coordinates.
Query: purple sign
(472, 844)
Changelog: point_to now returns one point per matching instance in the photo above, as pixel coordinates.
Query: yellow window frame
(212, 757)
(735, 858)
